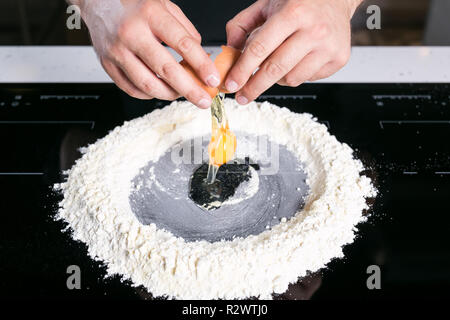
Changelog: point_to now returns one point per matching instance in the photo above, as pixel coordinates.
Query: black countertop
(400, 131)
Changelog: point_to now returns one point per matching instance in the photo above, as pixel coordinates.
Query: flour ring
(96, 207)
(276, 191)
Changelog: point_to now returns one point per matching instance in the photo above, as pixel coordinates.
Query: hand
(127, 37)
(291, 41)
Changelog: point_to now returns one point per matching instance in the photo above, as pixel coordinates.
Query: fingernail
(231, 85)
(204, 103)
(242, 100)
(213, 81)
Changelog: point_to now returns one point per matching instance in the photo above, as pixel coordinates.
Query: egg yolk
(222, 146)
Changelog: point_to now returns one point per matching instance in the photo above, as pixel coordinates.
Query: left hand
(291, 41)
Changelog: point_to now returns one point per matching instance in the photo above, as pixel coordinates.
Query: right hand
(127, 36)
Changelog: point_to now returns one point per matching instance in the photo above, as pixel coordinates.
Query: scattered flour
(246, 190)
(97, 210)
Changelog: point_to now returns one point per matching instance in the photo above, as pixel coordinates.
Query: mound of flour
(97, 209)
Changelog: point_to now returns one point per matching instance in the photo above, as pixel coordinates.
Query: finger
(158, 59)
(187, 24)
(327, 70)
(305, 69)
(244, 23)
(276, 66)
(122, 81)
(143, 78)
(169, 30)
(269, 37)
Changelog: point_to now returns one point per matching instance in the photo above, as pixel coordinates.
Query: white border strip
(79, 64)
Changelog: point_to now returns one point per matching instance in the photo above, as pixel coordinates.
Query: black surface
(228, 178)
(212, 25)
(400, 131)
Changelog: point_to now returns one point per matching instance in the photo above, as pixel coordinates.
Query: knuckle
(164, 3)
(131, 92)
(282, 82)
(191, 95)
(293, 10)
(342, 58)
(142, 97)
(151, 6)
(175, 7)
(148, 86)
(185, 44)
(105, 63)
(274, 69)
(125, 31)
(238, 74)
(115, 53)
(321, 30)
(204, 67)
(299, 14)
(292, 81)
(249, 92)
(166, 96)
(168, 70)
(197, 37)
(230, 25)
(318, 76)
(171, 96)
(256, 48)
(134, 94)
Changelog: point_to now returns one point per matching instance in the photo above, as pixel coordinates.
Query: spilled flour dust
(97, 209)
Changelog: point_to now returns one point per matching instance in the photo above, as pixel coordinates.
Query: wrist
(353, 5)
(79, 3)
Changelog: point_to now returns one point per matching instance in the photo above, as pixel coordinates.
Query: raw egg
(222, 146)
(223, 62)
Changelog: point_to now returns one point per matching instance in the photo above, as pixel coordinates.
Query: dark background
(404, 22)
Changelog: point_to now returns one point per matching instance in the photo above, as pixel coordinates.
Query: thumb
(244, 23)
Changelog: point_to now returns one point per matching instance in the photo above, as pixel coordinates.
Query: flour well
(246, 190)
(97, 209)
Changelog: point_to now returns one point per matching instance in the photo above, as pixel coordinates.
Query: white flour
(97, 210)
(245, 190)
